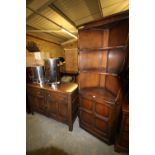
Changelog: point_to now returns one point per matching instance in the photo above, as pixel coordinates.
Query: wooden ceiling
(57, 20)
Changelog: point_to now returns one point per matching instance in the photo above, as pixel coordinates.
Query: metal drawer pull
(94, 96)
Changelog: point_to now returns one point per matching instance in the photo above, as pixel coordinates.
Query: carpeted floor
(46, 136)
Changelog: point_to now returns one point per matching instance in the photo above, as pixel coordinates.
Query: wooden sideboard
(60, 103)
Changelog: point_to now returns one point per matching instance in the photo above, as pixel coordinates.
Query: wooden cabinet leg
(70, 127)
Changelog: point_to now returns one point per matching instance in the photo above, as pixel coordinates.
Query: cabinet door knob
(94, 96)
(49, 95)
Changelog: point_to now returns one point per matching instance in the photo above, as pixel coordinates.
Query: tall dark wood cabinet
(103, 46)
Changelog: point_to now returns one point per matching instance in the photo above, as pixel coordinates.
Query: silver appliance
(37, 74)
(52, 71)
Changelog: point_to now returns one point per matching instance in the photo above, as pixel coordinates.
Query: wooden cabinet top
(63, 87)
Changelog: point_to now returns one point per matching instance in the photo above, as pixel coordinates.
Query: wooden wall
(47, 49)
(71, 56)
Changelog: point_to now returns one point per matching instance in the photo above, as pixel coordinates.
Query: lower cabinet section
(57, 104)
(98, 118)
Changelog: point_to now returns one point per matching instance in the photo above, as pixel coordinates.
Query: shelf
(98, 71)
(101, 49)
(98, 92)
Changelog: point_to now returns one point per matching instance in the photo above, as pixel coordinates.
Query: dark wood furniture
(122, 138)
(60, 103)
(103, 46)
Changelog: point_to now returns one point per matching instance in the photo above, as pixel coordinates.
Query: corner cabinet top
(63, 87)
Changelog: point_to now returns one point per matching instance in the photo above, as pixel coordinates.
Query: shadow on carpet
(47, 151)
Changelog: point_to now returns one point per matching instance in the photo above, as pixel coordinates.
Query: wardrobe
(102, 51)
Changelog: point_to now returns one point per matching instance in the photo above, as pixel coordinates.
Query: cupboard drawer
(35, 91)
(57, 97)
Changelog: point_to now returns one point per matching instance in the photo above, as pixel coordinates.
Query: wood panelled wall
(48, 49)
(55, 50)
(71, 56)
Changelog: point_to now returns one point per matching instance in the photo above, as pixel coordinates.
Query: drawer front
(57, 97)
(35, 91)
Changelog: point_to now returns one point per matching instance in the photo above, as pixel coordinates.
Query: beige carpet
(46, 136)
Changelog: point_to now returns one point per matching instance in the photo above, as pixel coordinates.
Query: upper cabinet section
(110, 37)
(90, 39)
(119, 33)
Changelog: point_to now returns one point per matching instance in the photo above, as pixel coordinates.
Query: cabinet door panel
(52, 107)
(101, 125)
(37, 102)
(102, 110)
(85, 103)
(86, 117)
(63, 110)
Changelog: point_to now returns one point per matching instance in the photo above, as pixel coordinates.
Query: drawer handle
(49, 95)
(94, 96)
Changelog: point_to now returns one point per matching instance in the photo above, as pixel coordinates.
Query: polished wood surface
(122, 138)
(63, 87)
(102, 55)
(60, 103)
(106, 21)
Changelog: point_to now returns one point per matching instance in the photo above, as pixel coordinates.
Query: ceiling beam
(57, 10)
(28, 2)
(50, 20)
(68, 41)
(44, 6)
(43, 39)
(100, 8)
(53, 35)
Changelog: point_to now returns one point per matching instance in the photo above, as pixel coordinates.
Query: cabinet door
(63, 111)
(94, 114)
(37, 102)
(52, 105)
